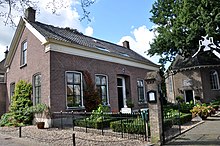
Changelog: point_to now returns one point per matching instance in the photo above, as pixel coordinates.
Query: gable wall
(178, 83)
(37, 62)
(61, 62)
(208, 93)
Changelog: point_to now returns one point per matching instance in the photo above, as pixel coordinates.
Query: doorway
(188, 95)
(121, 92)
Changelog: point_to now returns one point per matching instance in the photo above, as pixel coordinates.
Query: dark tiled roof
(2, 68)
(202, 59)
(73, 36)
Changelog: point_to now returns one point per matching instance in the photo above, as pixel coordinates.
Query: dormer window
(102, 49)
(24, 53)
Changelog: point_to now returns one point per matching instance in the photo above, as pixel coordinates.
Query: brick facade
(53, 65)
(199, 79)
(3, 96)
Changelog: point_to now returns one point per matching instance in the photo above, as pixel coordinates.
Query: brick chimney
(30, 14)
(126, 44)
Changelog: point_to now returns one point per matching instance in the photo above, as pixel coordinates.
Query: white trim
(89, 53)
(106, 86)
(82, 104)
(124, 90)
(35, 32)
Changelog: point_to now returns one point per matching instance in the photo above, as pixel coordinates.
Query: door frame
(124, 90)
(192, 95)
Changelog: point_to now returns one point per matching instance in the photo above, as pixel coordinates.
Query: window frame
(81, 89)
(37, 87)
(2, 76)
(12, 84)
(214, 80)
(23, 60)
(138, 93)
(107, 92)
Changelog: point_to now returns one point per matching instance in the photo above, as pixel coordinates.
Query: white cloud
(89, 31)
(140, 42)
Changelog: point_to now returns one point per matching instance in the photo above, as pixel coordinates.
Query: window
(12, 91)
(74, 89)
(140, 89)
(170, 84)
(101, 85)
(2, 78)
(214, 80)
(24, 53)
(37, 89)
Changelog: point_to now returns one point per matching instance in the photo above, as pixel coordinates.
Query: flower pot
(40, 125)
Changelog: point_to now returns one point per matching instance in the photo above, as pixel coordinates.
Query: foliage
(91, 95)
(19, 113)
(40, 111)
(129, 103)
(13, 7)
(202, 110)
(105, 123)
(186, 107)
(128, 126)
(180, 25)
(179, 98)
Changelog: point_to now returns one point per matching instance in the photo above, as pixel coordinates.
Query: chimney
(6, 52)
(30, 14)
(126, 44)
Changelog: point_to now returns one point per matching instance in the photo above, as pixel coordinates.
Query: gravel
(58, 137)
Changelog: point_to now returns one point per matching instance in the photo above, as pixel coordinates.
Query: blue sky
(112, 20)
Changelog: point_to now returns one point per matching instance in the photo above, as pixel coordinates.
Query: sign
(126, 110)
(151, 96)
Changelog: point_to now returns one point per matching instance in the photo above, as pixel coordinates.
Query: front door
(189, 95)
(121, 92)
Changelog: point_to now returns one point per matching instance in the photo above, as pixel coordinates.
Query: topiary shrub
(19, 111)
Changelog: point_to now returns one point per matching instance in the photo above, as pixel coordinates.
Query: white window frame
(107, 92)
(145, 100)
(24, 53)
(214, 79)
(81, 78)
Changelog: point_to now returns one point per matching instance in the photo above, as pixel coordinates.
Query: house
(3, 92)
(194, 78)
(54, 60)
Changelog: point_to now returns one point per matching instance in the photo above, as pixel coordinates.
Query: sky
(111, 20)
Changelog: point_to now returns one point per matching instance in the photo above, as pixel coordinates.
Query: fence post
(61, 119)
(20, 132)
(179, 117)
(122, 128)
(73, 120)
(74, 140)
(102, 122)
(145, 127)
(86, 121)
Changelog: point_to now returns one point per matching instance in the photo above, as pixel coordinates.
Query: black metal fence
(171, 123)
(131, 126)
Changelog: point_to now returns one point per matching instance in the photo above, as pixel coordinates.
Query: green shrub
(186, 107)
(134, 126)
(93, 124)
(19, 113)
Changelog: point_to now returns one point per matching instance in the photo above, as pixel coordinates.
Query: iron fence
(131, 126)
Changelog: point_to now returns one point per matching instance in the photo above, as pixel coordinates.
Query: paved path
(6, 140)
(206, 134)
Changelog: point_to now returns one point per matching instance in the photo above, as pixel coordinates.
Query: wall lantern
(152, 96)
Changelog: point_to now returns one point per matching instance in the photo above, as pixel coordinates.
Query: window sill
(23, 65)
(142, 103)
(75, 108)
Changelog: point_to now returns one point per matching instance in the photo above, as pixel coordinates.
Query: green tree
(19, 112)
(180, 25)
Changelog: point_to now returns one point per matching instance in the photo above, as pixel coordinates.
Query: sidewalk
(207, 133)
(6, 140)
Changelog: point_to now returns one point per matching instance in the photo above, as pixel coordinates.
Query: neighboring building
(3, 92)
(194, 77)
(54, 60)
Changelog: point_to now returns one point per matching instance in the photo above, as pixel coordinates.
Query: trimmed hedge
(133, 126)
(93, 124)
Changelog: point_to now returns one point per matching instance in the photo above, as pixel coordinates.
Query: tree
(180, 25)
(19, 113)
(19, 6)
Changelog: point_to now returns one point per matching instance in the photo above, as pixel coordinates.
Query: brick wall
(2, 98)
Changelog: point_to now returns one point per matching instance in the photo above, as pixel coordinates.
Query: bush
(133, 126)
(93, 124)
(186, 107)
(19, 113)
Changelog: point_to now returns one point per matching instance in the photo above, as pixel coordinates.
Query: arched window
(214, 80)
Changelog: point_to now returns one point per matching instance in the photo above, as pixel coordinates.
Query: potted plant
(40, 112)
